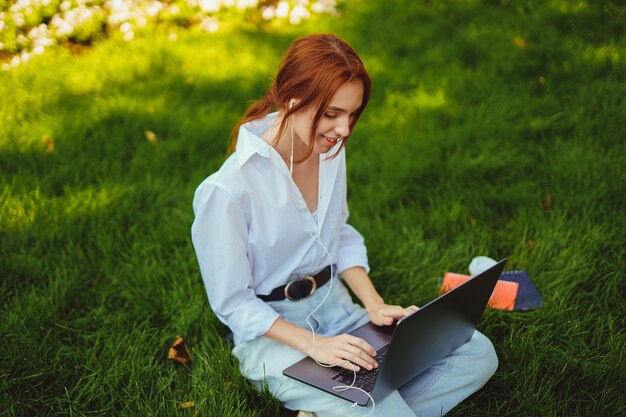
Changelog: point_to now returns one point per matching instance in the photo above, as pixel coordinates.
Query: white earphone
(291, 103)
(338, 388)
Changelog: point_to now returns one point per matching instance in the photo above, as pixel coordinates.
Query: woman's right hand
(337, 350)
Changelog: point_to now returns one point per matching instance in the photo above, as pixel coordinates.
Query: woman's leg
(262, 361)
(437, 390)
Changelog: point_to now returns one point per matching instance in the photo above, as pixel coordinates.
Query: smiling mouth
(335, 140)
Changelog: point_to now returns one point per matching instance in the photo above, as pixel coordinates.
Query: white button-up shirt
(253, 230)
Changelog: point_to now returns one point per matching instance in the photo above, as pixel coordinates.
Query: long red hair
(312, 70)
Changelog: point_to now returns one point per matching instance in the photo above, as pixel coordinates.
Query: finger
(362, 350)
(381, 320)
(410, 310)
(395, 312)
(346, 364)
(361, 344)
(358, 359)
(338, 357)
(364, 353)
(339, 360)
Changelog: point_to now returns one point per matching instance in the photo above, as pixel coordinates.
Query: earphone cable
(291, 156)
(339, 388)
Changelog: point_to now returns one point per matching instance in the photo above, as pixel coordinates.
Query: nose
(343, 127)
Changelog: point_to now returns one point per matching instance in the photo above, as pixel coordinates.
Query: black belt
(300, 288)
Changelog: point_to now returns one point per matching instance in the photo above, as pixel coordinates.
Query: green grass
(465, 136)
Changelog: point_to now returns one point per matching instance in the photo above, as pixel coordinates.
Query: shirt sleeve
(220, 234)
(352, 250)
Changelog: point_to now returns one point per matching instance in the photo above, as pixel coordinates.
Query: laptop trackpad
(376, 336)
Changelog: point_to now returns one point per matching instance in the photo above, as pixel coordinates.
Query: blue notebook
(528, 297)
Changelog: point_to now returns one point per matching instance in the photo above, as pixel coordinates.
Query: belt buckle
(307, 278)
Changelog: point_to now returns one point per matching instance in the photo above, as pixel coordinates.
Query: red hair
(312, 70)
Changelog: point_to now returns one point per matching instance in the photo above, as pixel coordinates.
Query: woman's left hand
(383, 314)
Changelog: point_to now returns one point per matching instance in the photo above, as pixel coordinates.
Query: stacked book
(514, 290)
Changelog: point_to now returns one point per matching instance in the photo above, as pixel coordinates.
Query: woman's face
(335, 121)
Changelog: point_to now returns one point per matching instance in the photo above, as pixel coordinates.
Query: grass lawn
(495, 128)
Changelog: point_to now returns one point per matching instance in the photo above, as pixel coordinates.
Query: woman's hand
(380, 313)
(383, 314)
(337, 350)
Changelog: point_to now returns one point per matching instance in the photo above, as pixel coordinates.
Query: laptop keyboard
(365, 379)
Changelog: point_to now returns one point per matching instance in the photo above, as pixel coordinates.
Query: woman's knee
(264, 359)
(484, 357)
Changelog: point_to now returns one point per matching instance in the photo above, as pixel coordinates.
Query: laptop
(409, 347)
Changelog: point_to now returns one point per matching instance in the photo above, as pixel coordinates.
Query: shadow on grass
(108, 231)
(457, 151)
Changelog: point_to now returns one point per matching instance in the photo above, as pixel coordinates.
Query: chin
(322, 149)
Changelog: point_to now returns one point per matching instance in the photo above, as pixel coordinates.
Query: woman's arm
(380, 313)
(220, 234)
(335, 350)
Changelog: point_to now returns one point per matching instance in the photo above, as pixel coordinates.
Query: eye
(330, 115)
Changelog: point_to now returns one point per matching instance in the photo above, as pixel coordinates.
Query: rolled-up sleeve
(220, 235)
(352, 250)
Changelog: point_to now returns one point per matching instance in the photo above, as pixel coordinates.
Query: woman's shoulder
(227, 176)
(229, 181)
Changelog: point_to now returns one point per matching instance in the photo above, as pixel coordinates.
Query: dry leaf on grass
(231, 385)
(520, 42)
(178, 352)
(187, 404)
(49, 144)
(547, 202)
(152, 137)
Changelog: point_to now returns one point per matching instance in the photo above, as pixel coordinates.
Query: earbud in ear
(291, 103)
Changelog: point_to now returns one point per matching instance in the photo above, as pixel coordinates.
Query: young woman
(272, 241)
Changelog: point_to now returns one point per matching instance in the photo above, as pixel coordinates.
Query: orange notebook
(503, 297)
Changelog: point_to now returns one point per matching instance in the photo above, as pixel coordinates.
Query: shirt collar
(249, 140)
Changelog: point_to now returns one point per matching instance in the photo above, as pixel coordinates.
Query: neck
(284, 145)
